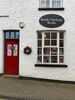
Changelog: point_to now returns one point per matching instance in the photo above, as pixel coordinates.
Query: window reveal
(51, 48)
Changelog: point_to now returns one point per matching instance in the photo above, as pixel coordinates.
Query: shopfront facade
(37, 39)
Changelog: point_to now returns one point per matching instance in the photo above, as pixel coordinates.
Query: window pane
(17, 35)
(43, 3)
(7, 35)
(46, 42)
(39, 35)
(54, 42)
(53, 59)
(61, 59)
(61, 51)
(39, 59)
(39, 51)
(12, 35)
(47, 3)
(39, 43)
(46, 51)
(61, 43)
(53, 35)
(54, 51)
(61, 35)
(47, 35)
(51, 3)
(57, 3)
(46, 59)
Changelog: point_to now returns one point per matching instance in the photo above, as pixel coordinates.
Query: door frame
(10, 30)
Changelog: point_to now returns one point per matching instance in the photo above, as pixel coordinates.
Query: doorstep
(10, 76)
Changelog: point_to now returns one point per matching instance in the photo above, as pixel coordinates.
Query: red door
(11, 53)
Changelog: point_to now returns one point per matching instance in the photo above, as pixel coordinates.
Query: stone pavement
(17, 89)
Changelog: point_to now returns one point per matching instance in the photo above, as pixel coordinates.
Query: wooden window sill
(41, 9)
(51, 65)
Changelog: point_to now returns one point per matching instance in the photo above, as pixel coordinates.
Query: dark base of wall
(44, 80)
(1, 74)
(11, 98)
(47, 80)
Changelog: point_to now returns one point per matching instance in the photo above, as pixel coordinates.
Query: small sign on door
(15, 49)
(12, 50)
(9, 50)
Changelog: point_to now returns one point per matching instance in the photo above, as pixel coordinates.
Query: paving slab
(22, 89)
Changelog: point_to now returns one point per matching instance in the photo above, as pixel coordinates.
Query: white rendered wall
(29, 37)
(27, 11)
(4, 24)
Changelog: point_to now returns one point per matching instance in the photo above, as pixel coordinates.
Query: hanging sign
(51, 20)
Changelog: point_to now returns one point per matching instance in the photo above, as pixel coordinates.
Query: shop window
(50, 47)
(51, 5)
